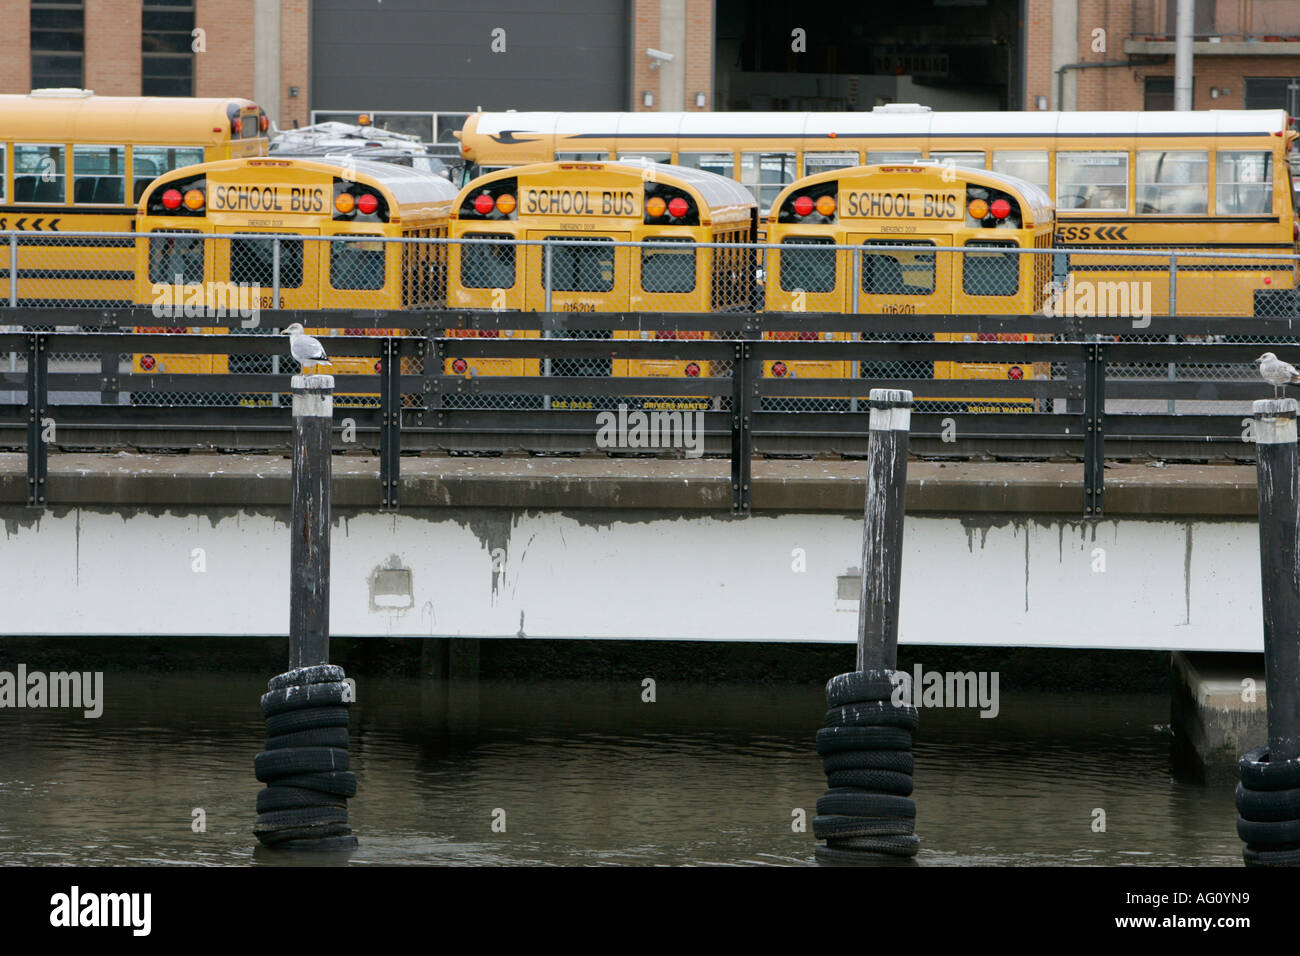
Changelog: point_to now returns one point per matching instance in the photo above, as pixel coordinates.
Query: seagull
(1277, 373)
(307, 350)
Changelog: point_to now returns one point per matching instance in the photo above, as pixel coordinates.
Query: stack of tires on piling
(1268, 809)
(305, 763)
(866, 749)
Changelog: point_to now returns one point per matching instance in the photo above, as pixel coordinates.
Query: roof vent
(901, 108)
(63, 92)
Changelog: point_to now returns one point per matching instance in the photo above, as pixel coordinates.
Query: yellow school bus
(934, 235)
(71, 161)
(1168, 181)
(327, 222)
(586, 208)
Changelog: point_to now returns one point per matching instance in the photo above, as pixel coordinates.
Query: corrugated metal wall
(439, 55)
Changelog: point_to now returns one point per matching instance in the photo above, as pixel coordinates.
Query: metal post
(1094, 411)
(547, 273)
(275, 272)
(882, 532)
(13, 291)
(546, 333)
(744, 374)
(1173, 310)
(390, 435)
(1278, 484)
(309, 550)
(13, 271)
(1183, 27)
(856, 278)
(275, 304)
(37, 398)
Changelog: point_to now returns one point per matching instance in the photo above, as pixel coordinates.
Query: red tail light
(458, 365)
(367, 203)
(803, 206)
(484, 204)
(1000, 208)
(379, 366)
(692, 370)
(171, 199)
(677, 207)
(779, 369)
(147, 362)
(1016, 373)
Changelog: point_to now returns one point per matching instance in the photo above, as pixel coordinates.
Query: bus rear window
(176, 260)
(487, 265)
(357, 263)
(906, 272)
(150, 162)
(252, 262)
(670, 270)
(582, 265)
(990, 273)
(1243, 183)
(808, 270)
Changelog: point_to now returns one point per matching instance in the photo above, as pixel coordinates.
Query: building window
(1273, 93)
(1159, 94)
(167, 59)
(58, 38)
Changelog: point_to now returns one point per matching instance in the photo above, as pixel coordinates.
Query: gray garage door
(438, 55)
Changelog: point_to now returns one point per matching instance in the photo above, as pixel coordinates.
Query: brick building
(422, 66)
(1108, 55)
(252, 48)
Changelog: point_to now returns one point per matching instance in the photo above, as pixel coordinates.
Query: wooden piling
(309, 552)
(1278, 488)
(882, 533)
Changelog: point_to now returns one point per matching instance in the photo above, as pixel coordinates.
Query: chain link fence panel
(188, 278)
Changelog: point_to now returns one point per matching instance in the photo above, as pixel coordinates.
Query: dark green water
(587, 773)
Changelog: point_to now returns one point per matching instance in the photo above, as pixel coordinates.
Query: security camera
(659, 56)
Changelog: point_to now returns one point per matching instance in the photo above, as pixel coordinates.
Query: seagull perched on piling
(306, 349)
(1277, 373)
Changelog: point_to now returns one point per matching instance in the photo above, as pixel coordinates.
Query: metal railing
(1094, 392)
(251, 272)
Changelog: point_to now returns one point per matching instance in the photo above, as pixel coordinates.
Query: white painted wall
(1166, 585)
